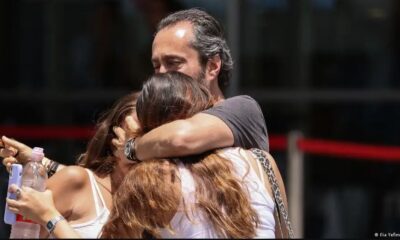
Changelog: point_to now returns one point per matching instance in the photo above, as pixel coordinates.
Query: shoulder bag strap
(280, 207)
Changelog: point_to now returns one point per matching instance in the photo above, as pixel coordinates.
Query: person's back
(191, 222)
(257, 186)
(188, 222)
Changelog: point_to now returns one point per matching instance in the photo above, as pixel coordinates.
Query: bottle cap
(37, 154)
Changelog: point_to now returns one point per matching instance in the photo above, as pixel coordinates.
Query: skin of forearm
(165, 141)
(62, 228)
(183, 137)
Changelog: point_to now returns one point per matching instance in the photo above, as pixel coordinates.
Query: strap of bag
(281, 210)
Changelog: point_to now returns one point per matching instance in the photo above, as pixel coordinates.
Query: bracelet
(51, 224)
(52, 168)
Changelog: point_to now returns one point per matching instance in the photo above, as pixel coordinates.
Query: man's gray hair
(208, 39)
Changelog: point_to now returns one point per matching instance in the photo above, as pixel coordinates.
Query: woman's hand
(34, 205)
(13, 148)
(119, 142)
(6, 151)
(8, 161)
(7, 154)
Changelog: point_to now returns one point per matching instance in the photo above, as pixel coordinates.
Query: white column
(295, 184)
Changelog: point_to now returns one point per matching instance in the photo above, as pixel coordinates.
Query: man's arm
(184, 137)
(237, 121)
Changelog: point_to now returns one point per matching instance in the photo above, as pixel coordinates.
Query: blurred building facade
(329, 68)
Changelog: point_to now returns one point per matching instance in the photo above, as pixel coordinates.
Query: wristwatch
(130, 151)
(51, 224)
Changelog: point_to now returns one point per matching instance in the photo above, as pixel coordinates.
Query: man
(191, 41)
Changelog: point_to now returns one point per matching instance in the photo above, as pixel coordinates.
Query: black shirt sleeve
(244, 117)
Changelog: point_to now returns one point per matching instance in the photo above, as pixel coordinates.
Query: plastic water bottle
(34, 175)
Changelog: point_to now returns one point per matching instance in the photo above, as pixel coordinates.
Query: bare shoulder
(70, 177)
(67, 186)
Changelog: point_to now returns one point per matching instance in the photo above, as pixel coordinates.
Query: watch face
(49, 225)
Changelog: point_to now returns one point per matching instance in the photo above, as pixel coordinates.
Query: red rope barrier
(277, 142)
(47, 132)
(351, 150)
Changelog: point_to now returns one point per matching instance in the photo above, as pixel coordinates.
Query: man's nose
(163, 69)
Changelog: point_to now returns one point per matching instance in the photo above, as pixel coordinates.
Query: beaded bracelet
(52, 168)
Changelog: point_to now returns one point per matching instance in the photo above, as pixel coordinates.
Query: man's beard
(201, 77)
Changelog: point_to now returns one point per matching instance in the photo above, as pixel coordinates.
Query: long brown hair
(99, 151)
(147, 200)
(166, 97)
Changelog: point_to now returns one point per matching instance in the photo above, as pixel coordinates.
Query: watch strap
(130, 150)
(51, 224)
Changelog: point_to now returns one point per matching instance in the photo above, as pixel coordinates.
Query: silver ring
(18, 193)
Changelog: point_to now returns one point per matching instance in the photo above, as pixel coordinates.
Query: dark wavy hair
(99, 151)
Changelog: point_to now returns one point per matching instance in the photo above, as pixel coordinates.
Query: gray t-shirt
(244, 117)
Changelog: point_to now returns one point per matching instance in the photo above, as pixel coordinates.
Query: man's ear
(213, 66)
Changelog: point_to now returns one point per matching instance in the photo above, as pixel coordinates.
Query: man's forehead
(172, 41)
(179, 30)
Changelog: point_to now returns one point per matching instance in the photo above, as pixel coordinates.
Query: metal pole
(296, 184)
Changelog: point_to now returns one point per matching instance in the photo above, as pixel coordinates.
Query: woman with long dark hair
(82, 194)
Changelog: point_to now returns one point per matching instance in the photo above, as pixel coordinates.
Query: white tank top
(92, 228)
(260, 199)
(198, 226)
